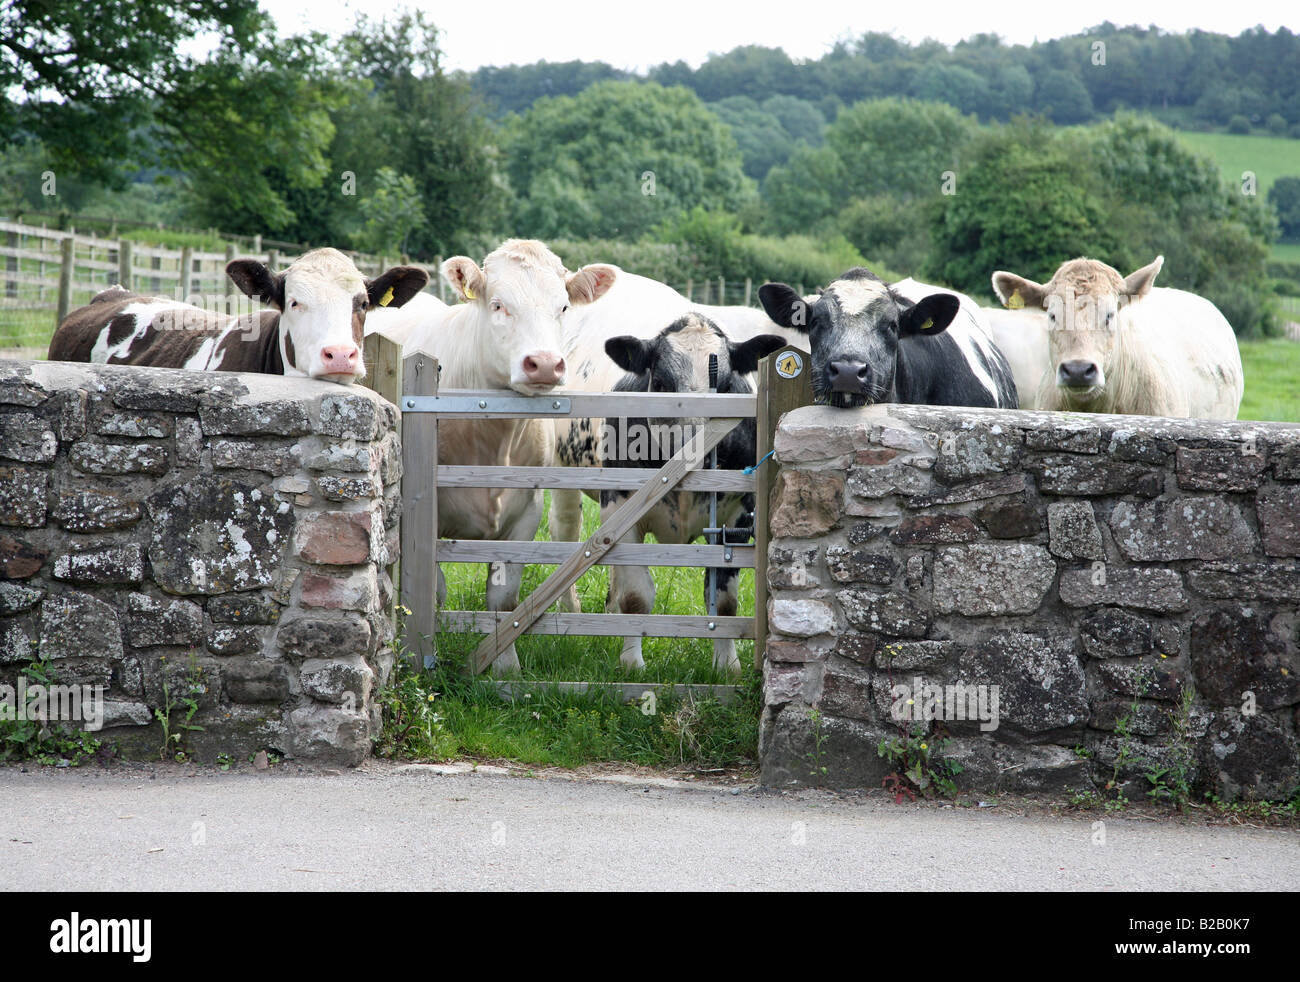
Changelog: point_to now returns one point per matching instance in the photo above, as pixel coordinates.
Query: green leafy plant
(174, 730)
(43, 741)
(921, 766)
(818, 753)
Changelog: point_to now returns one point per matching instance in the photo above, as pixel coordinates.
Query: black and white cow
(677, 360)
(907, 343)
(314, 329)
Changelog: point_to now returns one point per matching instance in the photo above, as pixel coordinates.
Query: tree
(392, 210)
(1063, 98)
(1284, 196)
(1023, 204)
(424, 123)
(618, 159)
(86, 77)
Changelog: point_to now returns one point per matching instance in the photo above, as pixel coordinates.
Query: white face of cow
(1084, 301)
(323, 299)
(520, 297)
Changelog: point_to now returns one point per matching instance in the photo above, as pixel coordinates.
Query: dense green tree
(1023, 204)
(86, 77)
(617, 160)
(1063, 98)
(513, 88)
(1284, 196)
(392, 211)
(421, 122)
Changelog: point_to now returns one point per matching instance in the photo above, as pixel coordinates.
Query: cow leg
(631, 589)
(724, 649)
(566, 526)
(504, 579)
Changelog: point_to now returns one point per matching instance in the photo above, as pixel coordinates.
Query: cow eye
(293, 304)
(497, 306)
(564, 309)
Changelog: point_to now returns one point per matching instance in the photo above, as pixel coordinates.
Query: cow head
(677, 359)
(521, 295)
(322, 299)
(1084, 301)
(854, 328)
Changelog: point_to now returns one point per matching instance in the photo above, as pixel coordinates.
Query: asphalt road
(388, 827)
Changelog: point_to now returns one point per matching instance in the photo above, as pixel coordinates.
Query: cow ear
(1139, 283)
(930, 315)
(746, 356)
(396, 286)
(1016, 291)
(256, 281)
(590, 283)
(784, 306)
(629, 353)
(465, 277)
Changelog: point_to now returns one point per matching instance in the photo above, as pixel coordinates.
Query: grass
(1269, 157)
(1272, 369)
(447, 714)
(1286, 251)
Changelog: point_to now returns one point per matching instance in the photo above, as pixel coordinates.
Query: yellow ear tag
(469, 294)
(1014, 301)
(927, 325)
(387, 298)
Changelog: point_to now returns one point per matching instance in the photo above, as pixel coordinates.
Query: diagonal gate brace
(589, 553)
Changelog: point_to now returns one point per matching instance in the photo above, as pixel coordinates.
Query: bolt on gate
(422, 405)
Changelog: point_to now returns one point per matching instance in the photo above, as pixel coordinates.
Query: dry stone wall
(1129, 586)
(162, 526)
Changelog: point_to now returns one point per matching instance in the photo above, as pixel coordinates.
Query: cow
(634, 306)
(314, 329)
(1021, 336)
(507, 333)
(1121, 345)
(911, 342)
(677, 360)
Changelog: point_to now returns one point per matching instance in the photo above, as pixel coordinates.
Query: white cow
(507, 334)
(1021, 336)
(1118, 345)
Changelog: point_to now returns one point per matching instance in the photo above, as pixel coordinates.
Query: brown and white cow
(314, 329)
(1119, 345)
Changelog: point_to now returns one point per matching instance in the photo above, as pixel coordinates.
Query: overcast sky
(636, 35)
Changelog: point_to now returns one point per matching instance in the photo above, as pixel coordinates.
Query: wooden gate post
(419, 573)
(783, 384)
(11, 264)
(187, 273)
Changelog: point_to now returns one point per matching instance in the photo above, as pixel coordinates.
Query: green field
(1272, 369)
(1269, 157)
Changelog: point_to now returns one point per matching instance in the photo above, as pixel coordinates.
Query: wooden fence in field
(48, 272)
(412, 384)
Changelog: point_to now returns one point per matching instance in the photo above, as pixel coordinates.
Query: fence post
(257, 244)
(232, 304)
(783, 384)
(40, 267)
(722, 291)
(704, 294)
(272, 259)
(436, 273)
(155, 282)
(749, 287)
(124, 276)
(187, 273)
(11, 265)
(419, 573)
(65, 279)
(690, 290)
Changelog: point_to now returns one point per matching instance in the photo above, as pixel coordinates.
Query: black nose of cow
(1078, 374)
(847, 376)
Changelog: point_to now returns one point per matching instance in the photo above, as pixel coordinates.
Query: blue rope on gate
(750, 470)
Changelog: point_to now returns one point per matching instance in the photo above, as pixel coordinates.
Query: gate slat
(604, 625)
(621, 554)
(585, 478)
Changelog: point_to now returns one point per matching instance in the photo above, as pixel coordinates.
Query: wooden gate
(422, 404)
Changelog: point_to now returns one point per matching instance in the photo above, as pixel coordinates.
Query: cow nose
(847, 376)
(1078, 374)
(340, 358)
(544, 368)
